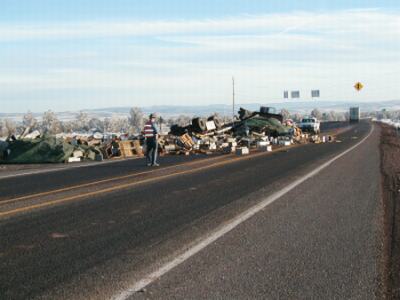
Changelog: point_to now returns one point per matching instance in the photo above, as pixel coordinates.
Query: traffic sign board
(358, 86)
(315, 94)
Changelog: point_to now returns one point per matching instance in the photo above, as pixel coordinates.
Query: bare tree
(82, 121)
(136, 120)
(341, 116)
(183, 120)
(29, 120)
(96, 123)
(107, 124)
(69, 126)
(119, 125)
(171, 121)
(316, 113)
(161, 121)
(296, 117)
(8, 127)
(285, 113)
(327, 116)
(50, 123)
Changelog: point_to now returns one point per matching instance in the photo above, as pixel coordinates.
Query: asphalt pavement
(320, 240)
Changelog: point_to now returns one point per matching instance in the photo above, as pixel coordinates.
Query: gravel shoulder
(390, 166)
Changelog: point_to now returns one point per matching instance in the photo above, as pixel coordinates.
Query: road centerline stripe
(69, 188)
(132, 184)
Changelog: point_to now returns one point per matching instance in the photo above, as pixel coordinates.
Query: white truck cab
(310, 125)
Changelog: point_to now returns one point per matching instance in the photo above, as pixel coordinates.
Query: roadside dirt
(390, 167)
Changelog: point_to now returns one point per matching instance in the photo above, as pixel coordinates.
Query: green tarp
(261, 124)
(46, 149)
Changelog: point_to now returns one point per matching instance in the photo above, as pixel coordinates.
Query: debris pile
(251, 130)
(260, 130)
(35, 147)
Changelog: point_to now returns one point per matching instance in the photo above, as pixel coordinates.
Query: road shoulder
(390, 167)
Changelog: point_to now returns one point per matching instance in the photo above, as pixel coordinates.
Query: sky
(82, 54)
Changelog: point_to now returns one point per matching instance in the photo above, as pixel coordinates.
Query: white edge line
(212, 237)
(66, 167)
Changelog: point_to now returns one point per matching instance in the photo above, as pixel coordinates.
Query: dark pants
(151, 151)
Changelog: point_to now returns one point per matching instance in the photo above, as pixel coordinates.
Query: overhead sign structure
(295, 94)
(315, 94)
(358, 86)
(285, 94)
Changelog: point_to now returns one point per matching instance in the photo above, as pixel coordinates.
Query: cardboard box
(74, 159)
(263, 144)
(210, 125)
(242, 151)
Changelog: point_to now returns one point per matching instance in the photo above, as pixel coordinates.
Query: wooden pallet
(126, 148)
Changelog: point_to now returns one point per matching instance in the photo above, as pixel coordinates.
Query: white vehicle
(310, 125)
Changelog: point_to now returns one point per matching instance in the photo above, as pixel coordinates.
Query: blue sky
(70, 55)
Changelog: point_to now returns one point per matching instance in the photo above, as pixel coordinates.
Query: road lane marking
(132, 184)
(127, 185)
(94, 164)
(69, 188)
(26, 197)
(227, 227)
(69, 167)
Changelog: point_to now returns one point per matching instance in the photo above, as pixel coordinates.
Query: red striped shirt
(149, 130)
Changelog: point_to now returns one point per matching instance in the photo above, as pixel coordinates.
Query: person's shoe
(155, 165)
(149, 164)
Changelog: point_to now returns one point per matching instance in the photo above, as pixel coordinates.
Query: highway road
(220, 227)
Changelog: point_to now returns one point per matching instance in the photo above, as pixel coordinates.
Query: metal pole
(233, 101)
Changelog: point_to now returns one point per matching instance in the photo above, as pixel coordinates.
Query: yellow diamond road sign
(358, 86)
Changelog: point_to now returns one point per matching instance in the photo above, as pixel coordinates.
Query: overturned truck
(263, 122)
(204, 135)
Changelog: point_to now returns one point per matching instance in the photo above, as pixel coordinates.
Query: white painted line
(65, 167)
(221, 231)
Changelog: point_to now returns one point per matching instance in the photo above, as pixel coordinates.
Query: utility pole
(233, 101)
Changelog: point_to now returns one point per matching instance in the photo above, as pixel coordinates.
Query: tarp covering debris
(47, 149)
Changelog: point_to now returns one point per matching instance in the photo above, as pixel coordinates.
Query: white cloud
(378, 23)
(193, 61)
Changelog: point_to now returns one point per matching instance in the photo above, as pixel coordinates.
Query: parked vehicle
(310, 125)
(354, 114)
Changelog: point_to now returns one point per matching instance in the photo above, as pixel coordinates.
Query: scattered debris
(260, 130)
(242, 151)
(74, 159)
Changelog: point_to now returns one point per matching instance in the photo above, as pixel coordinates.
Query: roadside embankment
(390, 166)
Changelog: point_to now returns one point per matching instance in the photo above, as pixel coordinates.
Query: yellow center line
(6, 201)
(101, 181)
(132, 184)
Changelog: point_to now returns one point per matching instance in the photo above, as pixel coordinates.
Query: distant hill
(293, 107)
(223, 109)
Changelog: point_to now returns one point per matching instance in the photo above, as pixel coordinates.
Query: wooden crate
(187, 141)
(126, 148)
(137, 148)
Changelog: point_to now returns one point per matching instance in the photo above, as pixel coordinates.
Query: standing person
(151, 135)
